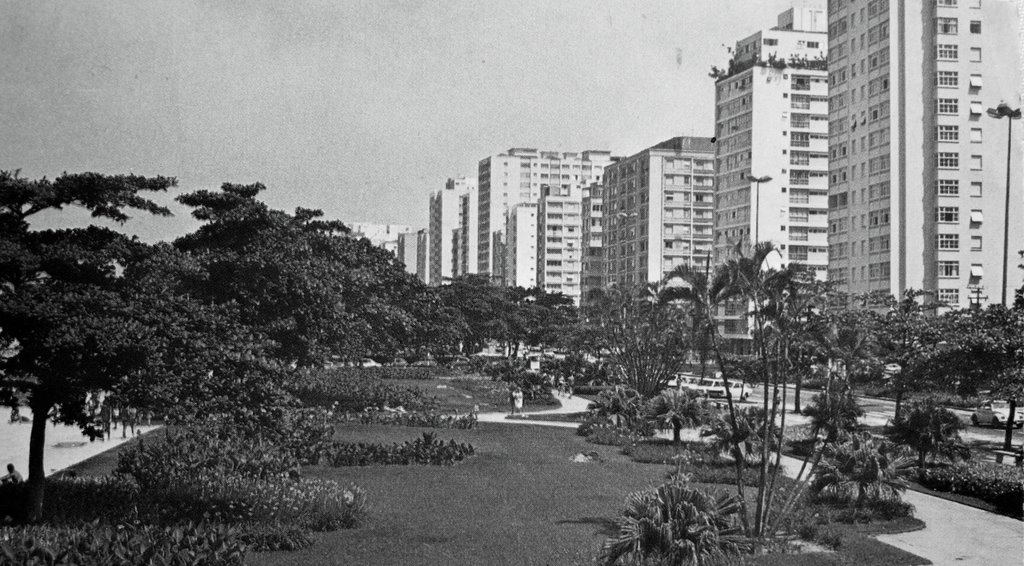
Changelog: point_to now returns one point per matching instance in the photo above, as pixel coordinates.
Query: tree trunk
(899, 402)
(676, 429)
(33, 503)
(798, 383)
(1008, 439)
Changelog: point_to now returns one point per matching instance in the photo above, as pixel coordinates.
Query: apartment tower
(520, 262)
(444, 225)
(560, 241)
(917, 167)
(592, 261)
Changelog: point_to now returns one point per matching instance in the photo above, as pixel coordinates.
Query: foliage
(645, 333)
(345, 391)
(427, 449)
(833, 413)
(861, 471)
(180, 545)
(676, 524)
(930, 430)
(625, 408)
(679, 408)
(431, 420)
(743, 437)
(388, 372)
(515, 373)
(998, 484)
(609, 435)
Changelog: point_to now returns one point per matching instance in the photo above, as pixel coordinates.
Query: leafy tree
(474, 302)
(645, 335)
(930, 430)
(304, 282)
(675, 524)
(907, 335)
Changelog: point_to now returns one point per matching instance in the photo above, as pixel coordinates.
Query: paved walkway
(955, 534)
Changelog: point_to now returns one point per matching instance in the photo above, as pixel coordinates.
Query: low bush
(425, 450)
(431, 420)
(76, 500)
(826, 535)
(349, 391)
(96, 543)
(388, 372)
(608, 435)
(274, 536)
(1002, 486)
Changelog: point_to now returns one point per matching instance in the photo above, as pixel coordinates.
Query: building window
(947, 187)
(975, 163)
(975, 188)
(949, 269)
(975, 26)
(949, 3)
(949, 160)
(948, 105)
(976, 136)
(812, 44)
(770, 41)
(948, 214)
(949, 133)
(946, 26)
(975, 81)
(947, 51)
(949, 297)
(975, 243)
(975, 56)
(947, 79)
(949, 241)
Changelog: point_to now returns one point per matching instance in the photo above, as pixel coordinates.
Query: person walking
(517, 400)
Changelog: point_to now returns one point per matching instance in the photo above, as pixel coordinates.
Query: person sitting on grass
(13, 476)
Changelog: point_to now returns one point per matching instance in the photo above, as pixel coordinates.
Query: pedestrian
(561, 386)
(568, 385)
(517, 400)
(512, 399)
(13, 476)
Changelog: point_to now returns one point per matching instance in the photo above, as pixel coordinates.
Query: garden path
(572, 404)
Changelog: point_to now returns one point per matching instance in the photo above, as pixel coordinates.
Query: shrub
(425, 450)
(274, 536)
(1002, 486)
(608, 435)
(74, 500)
(203, 543)
(860, 471)
(675, 524)
(431, 420)
(679, 408)
(388, 372)
(930, 430)
(349, 391)
(833, 413)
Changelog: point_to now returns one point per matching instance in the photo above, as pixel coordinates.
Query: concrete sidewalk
(569, 405)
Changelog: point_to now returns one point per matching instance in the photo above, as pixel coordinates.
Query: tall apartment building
(507, 179)
(520, 262)
(917, 168)
(771, 123)
(657, 210)
(560, 241)
(406, 251)
(592, 260)
(469, 224)
(423, 255)
(382, 235)
(444, 221)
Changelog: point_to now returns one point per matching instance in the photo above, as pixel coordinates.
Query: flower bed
(429, 419)
(348, 391)
(425, 450)
(1002, 486)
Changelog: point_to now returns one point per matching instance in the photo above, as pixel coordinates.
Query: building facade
(592, 254)
(771, 154)
(507, 179)
(520, 263)
(382, 235)
(917, 168)
(423, 255)
(468, 233)
(406, 251)
(560, 241)
(445, 209)
(657, 211)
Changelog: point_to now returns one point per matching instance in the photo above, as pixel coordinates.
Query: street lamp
(757, 204)
(1011, 114)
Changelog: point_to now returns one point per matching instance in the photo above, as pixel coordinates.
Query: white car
(995, 413)
(715, 389)
(368, 363)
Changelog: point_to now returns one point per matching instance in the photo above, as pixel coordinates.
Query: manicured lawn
(519, 501)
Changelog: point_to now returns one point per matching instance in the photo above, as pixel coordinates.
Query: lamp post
(757, 204)
(1011, 114)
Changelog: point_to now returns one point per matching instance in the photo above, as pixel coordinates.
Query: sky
(360, 109)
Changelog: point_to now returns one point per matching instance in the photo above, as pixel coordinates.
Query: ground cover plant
(998, 484)
(429, 419)
(425, 450)
(345, 391)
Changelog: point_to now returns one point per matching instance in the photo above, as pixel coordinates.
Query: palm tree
(861, 470)
(679, 408)
(832, 413)
(675, 524)
(930, 430)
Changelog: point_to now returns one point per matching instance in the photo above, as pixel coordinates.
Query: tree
(861, 470)
(62, 314)
(645, 335)
(930, 430)
(304, 282)
(906, 335)
(679, 408)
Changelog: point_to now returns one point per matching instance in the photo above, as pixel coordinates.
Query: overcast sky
(358, 108)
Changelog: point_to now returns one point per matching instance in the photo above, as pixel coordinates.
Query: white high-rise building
(406, 251)
(469, 226)
(423, 255)
(771, 124)
(560, 241)
(520, 263)
(657, 211)
(445, 208)
(382, 235)
(918, 187)
(507, 179)
(592, 268)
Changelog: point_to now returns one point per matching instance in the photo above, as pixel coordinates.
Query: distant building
(407, 250)
(592, 254)
(657, 210)
(918, 169)
(423, 255)
(559, 241)
(510, 178)
(469, 227)
(382, 235)
(520, 262)
(445, 211)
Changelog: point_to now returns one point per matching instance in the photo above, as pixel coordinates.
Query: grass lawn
(519, 501)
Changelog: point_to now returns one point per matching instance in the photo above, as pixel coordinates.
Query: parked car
(715, 389)
(424, 364)
(368, 363)
(995, 413)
